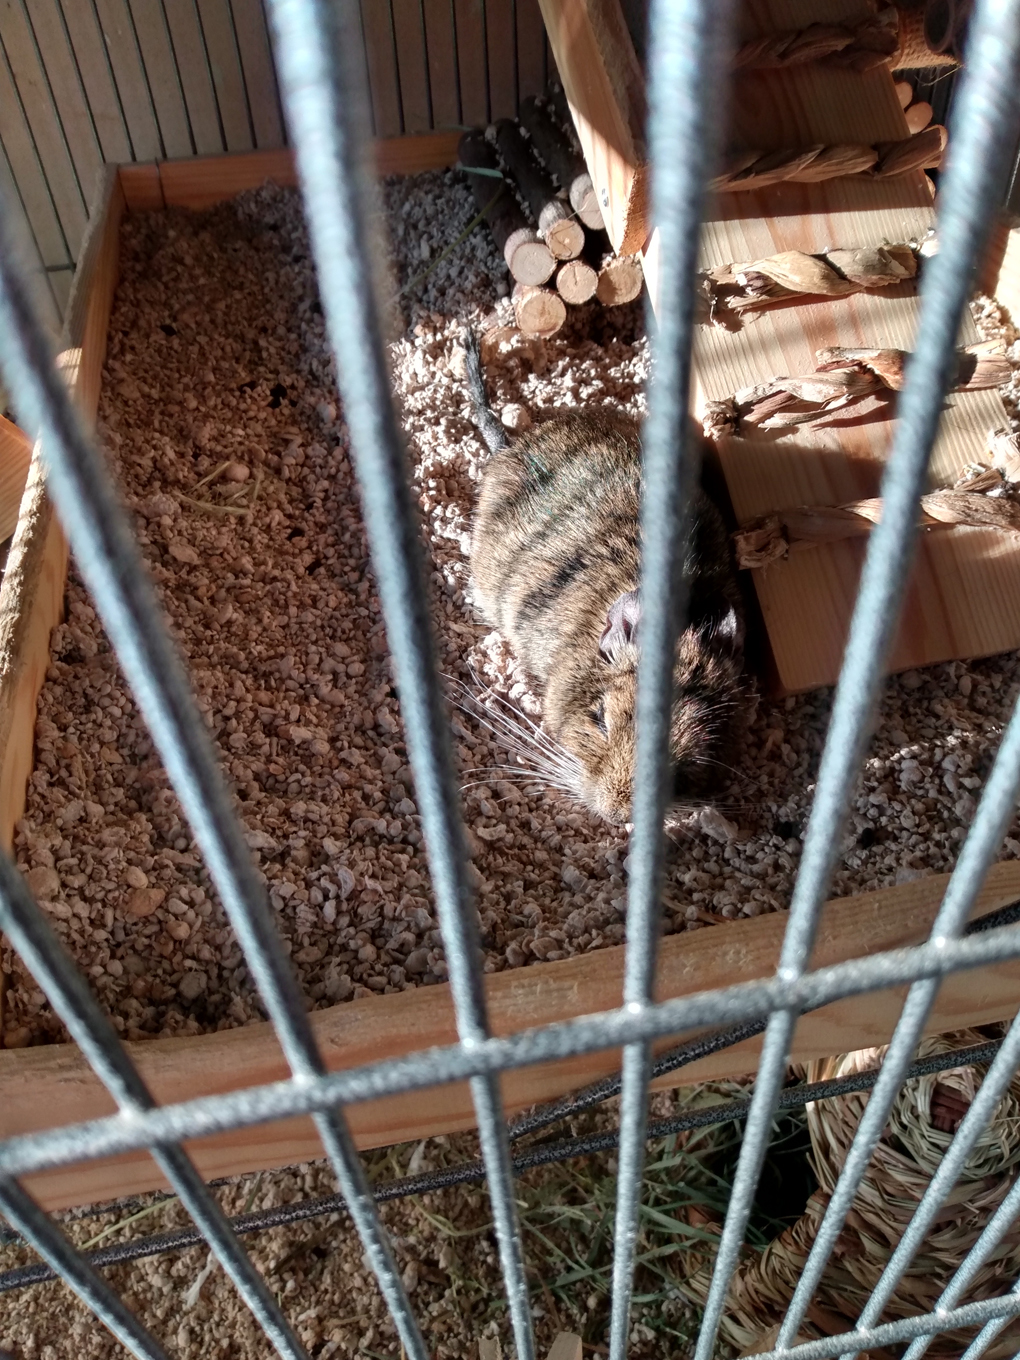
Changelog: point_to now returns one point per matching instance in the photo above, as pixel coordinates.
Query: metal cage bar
(687, 42)
(321, 84)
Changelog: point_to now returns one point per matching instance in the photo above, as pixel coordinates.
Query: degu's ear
(622, 619)
(727, 633)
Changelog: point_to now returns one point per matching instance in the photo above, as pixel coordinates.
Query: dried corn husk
(754, 284)
(922, 151)
(747, 170)
(977, 501)
(845, 377)
(899, 1173)
(860, 46)
(833, 162)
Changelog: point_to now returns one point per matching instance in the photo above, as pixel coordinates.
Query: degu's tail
(489, 427)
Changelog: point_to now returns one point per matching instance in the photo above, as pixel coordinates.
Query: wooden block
(1005, 285)
(202, 181)
(141, 186)
(50, 1082)
(15, 456)
(567, 1346)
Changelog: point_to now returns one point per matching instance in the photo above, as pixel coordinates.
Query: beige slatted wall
(88, 81)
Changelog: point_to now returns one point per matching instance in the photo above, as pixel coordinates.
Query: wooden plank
(125, 61)
(66, 86)
(163, 78)
(530, 50)
(441, 49)
(38, 1082)
(412, 65)
(196, 76)
(202, 181)
(32, 590)
(228, 78)
(501, 43)
(15, 456)
(472, 61)
(205, 180)
(97, 78)
(411, 155)
(141, 186)
(27, 173)
(383, 78)
(259, 73)
(33, 92)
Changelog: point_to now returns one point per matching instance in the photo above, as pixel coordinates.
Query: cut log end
(576, 282)
(538, 311)
(529, 260)
(585, 202)
(565, 238)
(620, 281)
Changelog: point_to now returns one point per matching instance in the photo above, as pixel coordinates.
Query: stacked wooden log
(547, 221)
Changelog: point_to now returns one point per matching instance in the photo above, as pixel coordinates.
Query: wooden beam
(202, 181)
(53, 1082)
(32, 592)
(15, 456)
(604, 86)
(1003, 280)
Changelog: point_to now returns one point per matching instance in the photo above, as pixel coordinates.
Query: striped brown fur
(555, 544)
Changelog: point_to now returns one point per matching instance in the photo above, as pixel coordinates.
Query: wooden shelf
(964, 596)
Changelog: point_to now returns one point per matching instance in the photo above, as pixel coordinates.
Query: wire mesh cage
(320, 83)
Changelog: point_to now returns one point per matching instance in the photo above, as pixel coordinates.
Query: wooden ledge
(39, 1082)
(202, 181)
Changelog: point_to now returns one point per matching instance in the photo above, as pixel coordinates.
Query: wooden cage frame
(39, 1083)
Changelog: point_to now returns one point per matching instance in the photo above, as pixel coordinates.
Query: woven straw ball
(920, 1129)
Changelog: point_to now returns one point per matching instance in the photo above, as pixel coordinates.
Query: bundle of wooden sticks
(531, 184)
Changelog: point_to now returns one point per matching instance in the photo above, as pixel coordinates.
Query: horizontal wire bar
(439, 1066)
(537, 1155)
(890, 1333)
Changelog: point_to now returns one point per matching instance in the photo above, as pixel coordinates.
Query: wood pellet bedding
(220, 413)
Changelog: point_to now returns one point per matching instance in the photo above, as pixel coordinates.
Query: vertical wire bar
(39, 1229)
(987, 830)
(995, 1229)
(683, 101)
(970, 189)
(32, 936)
(321, 86)
(83, 491)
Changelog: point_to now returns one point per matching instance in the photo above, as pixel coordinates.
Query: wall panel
(88, 81)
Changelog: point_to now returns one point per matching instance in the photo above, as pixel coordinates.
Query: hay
(919, 1131)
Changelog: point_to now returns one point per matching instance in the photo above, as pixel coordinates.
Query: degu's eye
(598, 717)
